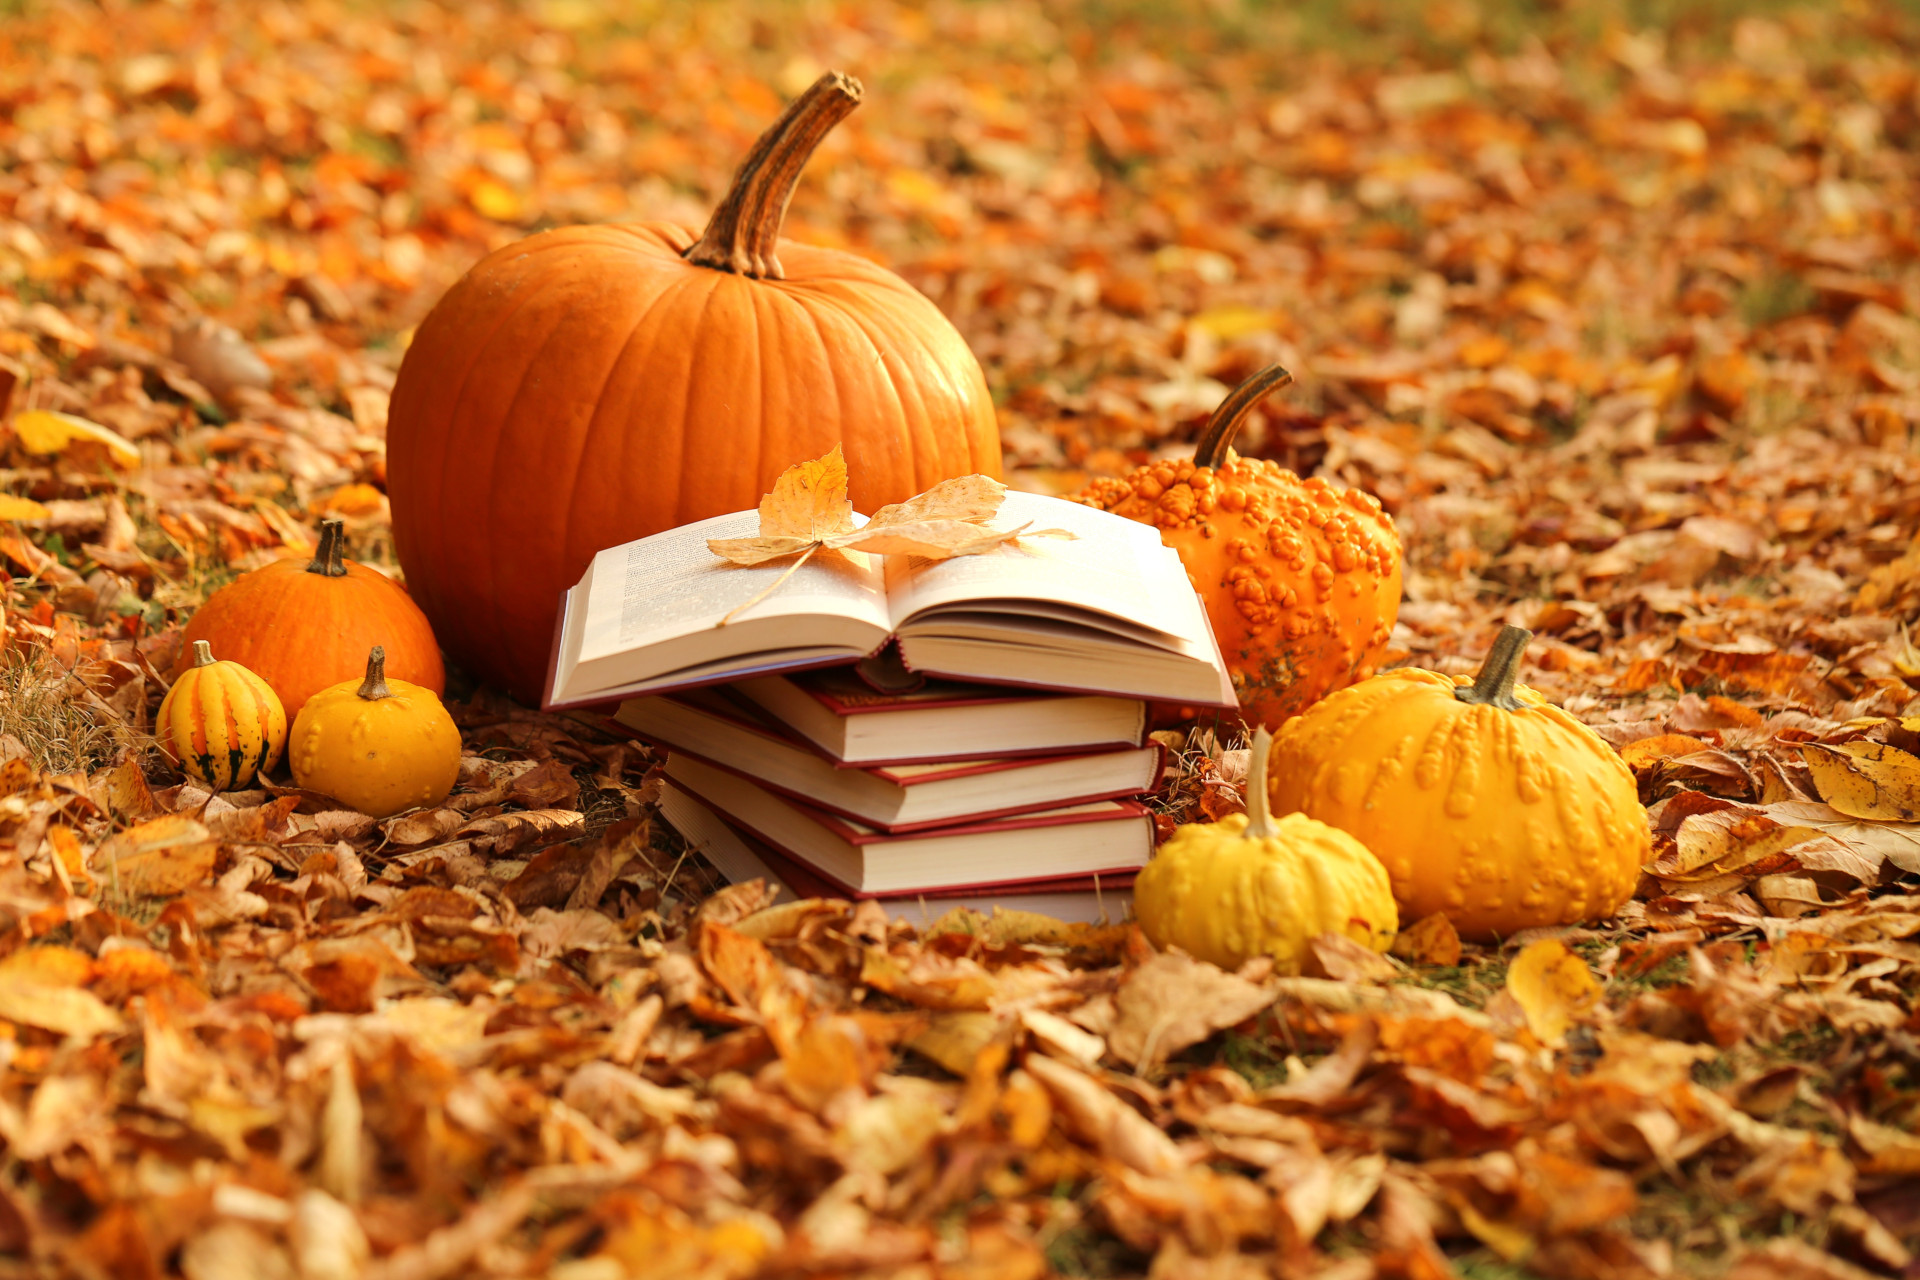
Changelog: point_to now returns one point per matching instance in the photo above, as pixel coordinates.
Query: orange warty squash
(304, 627)
(1301, 580)
(1482, 799)
(592, 385)
(221, 722)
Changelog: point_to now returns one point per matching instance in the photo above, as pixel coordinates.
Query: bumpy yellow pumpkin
(1483, 800)
(1248, 886)
(221, 722)
(379, 745)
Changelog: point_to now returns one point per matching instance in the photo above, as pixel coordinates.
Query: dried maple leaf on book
(808, 511)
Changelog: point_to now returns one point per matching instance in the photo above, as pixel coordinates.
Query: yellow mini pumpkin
(378, 745)
(220, 722)
(1483, 800)
(1248, 886)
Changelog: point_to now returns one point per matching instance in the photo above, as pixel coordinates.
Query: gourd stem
(202, 654)
(1493, 687)
(374, 687)
(1259, 817)
(744, 230)
(327, 557)
(1225, 422)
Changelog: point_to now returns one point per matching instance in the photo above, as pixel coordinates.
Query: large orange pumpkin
(1300, 580)
(592, 385)
(302, 627)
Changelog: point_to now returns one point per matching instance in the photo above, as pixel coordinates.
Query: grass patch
(1472, 983)
(49, 712)
(1085, 1250)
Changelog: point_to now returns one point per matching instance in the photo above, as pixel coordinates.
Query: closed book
(944, 720)
(706, 724)
(739, 855)
(1105, 837)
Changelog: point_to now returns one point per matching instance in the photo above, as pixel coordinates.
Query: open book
(1107, 611)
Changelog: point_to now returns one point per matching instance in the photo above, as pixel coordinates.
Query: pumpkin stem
(1259, 817)
(742, 234)
(1493, 687)
(1225, 422)
(374, 687)
(327, 556)
(202, 654)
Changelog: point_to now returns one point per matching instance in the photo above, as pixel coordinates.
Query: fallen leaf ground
(1617, 308)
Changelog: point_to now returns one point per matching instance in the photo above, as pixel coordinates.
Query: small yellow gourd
(378, 745)
(1483, 800)
(220, 722)
(1249, 886)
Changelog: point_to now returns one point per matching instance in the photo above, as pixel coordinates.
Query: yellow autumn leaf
(1866, 779)
(46, 431)
(1236, 321)
(69, 1011)
(157, 858)
(808, 504)
(16, 508)
(808, 511)
(1554, 988)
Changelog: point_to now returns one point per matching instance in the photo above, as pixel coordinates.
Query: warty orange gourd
(1300, 580)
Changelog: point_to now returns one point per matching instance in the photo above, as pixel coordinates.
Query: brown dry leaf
(808, 510)
(1116, 1130)
(1431, 940)
(1554, 988)
(158, 858)
(1790, 1259)
(1341, 958)
(1173, 1001)
(1866, 779)
(505, 832)
(69, 1011)
(1640, 754)
(1868, 844)
(1741, 841)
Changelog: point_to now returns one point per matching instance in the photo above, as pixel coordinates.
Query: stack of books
(996, 757)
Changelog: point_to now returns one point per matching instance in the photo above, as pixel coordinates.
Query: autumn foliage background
(1615, 306)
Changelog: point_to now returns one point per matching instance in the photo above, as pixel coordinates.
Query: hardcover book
(707, 724)
(739, 855)
(942, 720)
(1106, 837)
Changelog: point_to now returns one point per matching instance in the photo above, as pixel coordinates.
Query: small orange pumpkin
(1300, 580)
(221, 722)
(302, 628)
(592, 385)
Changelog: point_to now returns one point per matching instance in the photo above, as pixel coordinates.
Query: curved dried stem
(1211, 451)
(329, 557)
(374, 687)
(744, 230)
(1259, 816)
(1493, 687)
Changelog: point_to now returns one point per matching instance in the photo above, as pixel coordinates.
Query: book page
(669, 585)
(1115, 566)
